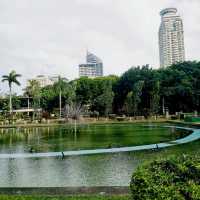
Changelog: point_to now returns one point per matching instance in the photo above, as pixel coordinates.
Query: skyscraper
(93, 67)
(171, 38)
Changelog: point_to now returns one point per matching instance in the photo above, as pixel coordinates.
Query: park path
(195, 135)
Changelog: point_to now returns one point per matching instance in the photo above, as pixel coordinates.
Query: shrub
(173, 178)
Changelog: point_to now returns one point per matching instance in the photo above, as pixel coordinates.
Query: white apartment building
(171, 38)
(45, 80)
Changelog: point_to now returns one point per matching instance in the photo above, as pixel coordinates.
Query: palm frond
(5, 76)
(18, 75)
(5, 79)
(16, 82)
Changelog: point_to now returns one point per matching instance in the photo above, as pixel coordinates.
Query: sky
(51, 37)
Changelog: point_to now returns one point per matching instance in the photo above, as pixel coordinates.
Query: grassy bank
(2, 197)
(191, 148)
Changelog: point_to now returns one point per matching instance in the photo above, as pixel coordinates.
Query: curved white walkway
(195, 135)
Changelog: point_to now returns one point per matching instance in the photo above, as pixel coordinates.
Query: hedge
(172, 178)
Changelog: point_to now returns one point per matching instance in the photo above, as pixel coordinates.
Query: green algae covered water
(64, 138)
(95, 170)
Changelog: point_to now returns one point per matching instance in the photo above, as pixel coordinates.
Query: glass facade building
(92, 68)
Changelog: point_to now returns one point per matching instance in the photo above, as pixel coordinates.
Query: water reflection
(96, 170)
(106, 170)
(63, 138)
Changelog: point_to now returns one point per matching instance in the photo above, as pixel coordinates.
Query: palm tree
(60, 86)
(11, 78)
(33, 91)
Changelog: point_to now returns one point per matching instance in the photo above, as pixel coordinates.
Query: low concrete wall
(66, 191)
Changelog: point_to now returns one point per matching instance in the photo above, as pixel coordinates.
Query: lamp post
(28, 103)
(163, 105)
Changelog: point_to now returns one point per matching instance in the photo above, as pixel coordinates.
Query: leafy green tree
(138, 79)
(84, 89)
(50, 95)
(176, 87)
(48, 98)
(128, 105)
(96, 94)
(179, 86)
(33, 90)
(103, 102)
(11, 78)
(137, 93)
(155, 98)
(4, 103)
(134, 98)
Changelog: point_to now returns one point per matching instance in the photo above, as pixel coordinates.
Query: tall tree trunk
(10, 100)
(28, 105)
(75, 130)
(163, 106)
(60, 103)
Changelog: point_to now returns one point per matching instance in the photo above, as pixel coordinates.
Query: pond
(63, 138)
(94, 170)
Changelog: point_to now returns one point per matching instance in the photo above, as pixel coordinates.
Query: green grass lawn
(2, 197)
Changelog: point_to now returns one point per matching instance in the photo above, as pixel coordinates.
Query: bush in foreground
(173, 178)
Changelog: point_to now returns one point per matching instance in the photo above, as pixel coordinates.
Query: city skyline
(35, 41)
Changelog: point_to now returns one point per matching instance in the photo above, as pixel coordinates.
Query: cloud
(51, 37)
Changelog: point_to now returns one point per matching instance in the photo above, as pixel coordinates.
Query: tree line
(140, 91)
(147, 91)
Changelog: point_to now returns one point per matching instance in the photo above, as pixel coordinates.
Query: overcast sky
(50, 37)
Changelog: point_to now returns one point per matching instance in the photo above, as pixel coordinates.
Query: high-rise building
(92, 68)
(171, 38)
